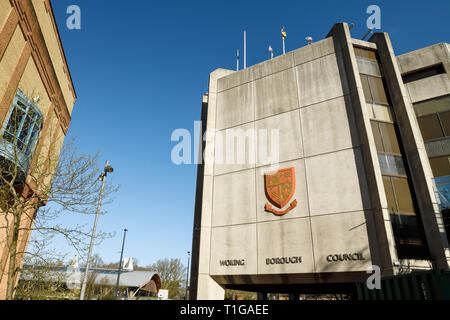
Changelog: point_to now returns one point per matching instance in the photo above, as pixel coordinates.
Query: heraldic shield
(280, 187)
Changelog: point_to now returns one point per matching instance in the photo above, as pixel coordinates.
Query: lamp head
(108, 168)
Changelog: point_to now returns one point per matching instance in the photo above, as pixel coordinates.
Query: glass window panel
(377, 136)
(377, 90)
(389, 138)
(443, 190)
(445, 121)
(431, 106)
(25, 129)
(440, 166)
(430, 127)
(403, 195)
(370, 110)
(8, 137)
(366, 89)
(33, 136)
(24, 124)
(392, 206)
(382, 112)
(367, 54)
(15, 120)
(368, 67)
(391, 165)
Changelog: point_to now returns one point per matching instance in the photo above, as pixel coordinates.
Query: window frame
(30, 110)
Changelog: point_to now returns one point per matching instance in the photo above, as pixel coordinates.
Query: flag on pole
(283, 35)
(271, 52)
(237, 63)
(309, 39)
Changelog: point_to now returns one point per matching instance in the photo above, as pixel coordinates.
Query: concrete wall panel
(340, 234)
(234, 243)
(289, 138)
(320, 80)
(234, 198)
(275, 94)
(336, 183)
(235, 149)
(314, 51)
(428, 88)
(235, 106)
(329, 126)
(285, 239)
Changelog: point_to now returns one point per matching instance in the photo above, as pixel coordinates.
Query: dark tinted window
(430, 127)
(389, 138)
(445, 121)
(440, 166)
(377, 90)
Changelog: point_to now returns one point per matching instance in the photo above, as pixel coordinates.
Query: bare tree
(38, 185)
(172, 273)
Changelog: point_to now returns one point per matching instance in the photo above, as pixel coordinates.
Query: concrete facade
(32, 66)
(313, 97)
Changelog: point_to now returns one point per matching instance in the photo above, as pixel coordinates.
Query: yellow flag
(283, 34)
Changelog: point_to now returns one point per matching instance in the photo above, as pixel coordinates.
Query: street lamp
(187, 277)
(120, 264)
(102, 178)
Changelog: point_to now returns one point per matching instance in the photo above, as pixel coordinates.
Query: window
(403, 195)
(442, 185)
(370, 67)
(385, 137)
(445, 122)
(409, 237)
(440, 166)
(377, 136)
(374, 90)
(392, 205)
(389, 138)
(377, 90)
(406, 225)
(430, 127)
(391, 165)
(380, 112)
(398, 194)
(366, 54)
(424, 73)
(431, 106)
(23, 124)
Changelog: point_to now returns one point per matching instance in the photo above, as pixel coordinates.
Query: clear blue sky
(140, 68)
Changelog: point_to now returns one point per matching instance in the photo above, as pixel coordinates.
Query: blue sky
(140, 68)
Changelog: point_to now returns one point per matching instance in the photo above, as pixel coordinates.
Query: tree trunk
(12, 262)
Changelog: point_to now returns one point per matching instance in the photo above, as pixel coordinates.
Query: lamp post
(102, 178)
(120, 264)
(187, 277)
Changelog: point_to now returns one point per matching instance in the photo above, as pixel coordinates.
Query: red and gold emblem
(280, 188)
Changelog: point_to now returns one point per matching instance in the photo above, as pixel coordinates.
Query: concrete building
(352, 183)
(36, 100)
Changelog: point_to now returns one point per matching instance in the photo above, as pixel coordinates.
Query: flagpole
(237, 62)
(245, 49)
(284, 47)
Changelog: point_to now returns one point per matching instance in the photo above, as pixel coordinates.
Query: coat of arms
(280, 188)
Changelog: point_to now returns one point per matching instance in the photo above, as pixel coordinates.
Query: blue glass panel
(443, 190)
